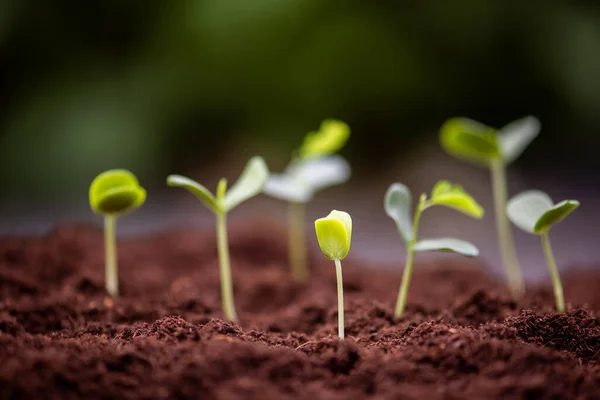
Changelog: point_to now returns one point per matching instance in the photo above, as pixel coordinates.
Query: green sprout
(249, 184)
(334, 234)
(397, 205)
(312, 168)
(113, 193)
(534, 211)
(482, 145)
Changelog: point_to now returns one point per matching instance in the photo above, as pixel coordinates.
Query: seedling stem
(110, 249)
(558, 290)
(403, 293)
(503, 229)
(297, 241)
(340, 292)
(225, 268)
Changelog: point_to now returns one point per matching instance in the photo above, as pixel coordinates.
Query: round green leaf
(446, 194)
(397, 203)
(202, 193)
(116, 191)
(331, 136)
(447, 244)
(250, 183)
(470, 140)
(555, 215)
(533, 211)
(334, 234)
(516, 136)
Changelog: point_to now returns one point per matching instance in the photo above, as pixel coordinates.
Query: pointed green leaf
(555, 215)
(116, 191)
(470, 140)
(250, 183)
(516, 136)
(534, 212)
(334, 234)
(446, 194)
(331, 136)
(202, 193)
(397, 203)
(447, 244)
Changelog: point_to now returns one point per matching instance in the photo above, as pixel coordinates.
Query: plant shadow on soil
(461, 337)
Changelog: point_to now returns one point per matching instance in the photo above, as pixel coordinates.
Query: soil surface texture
(462, 337)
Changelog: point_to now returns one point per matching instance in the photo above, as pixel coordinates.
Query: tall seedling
(482, 145)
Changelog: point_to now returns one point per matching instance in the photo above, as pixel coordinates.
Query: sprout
(112, 193)
(397, 204)
(482, 145)
(249, 184)
(533, 211)
(312, 169)
(334, 234)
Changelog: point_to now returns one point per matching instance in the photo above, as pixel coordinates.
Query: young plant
(334, 234)
(533, 211)
(397, 205)
(482, 145)
(312, 168)
(114, 193)
(249, 184)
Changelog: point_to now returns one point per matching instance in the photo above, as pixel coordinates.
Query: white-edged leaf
(250, 183)
(447, 244)
(322, 172)
(516, 136)
(397, 204)
(526, 208)
(286, 187)
(202, 193)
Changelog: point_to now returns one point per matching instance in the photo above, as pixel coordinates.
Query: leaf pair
(397, 206)
(534, 211)
(250, 183)
(334, 234)
(331, 136)
(480, 144)
(116, 191)
(302, 179)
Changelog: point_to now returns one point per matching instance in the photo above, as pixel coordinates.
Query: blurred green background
(164, 86)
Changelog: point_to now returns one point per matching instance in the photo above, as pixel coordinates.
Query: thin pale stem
(408, 266)
(558, 290)
(225, 268)
(110, 254)
(340, 291)
(505, 240)
(297, 242)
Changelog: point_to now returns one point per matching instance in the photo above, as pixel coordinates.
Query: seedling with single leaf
(313, 168)
(533, 211)
(482, 145)
(334, 234)
(397, 205)
(114, 193)
(249, 184)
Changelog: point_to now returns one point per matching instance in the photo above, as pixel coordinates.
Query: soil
(462, 336)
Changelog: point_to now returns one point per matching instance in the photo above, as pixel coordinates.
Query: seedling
(114, 193)
(397, 205)
(312, 168)
(334, 234)
(533, 211)
(482, 145)
(249, 184)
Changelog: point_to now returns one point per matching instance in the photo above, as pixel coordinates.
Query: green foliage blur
(163, 86)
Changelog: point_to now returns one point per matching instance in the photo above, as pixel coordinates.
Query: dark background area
(198, 87)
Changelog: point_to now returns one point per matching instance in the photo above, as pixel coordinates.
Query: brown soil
(462, 337)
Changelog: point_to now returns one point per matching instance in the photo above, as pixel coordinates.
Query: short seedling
(249, 184)
(334, 234)
(312, 168)
(482, 145)
(533, 211)
(113, 193)
(397, 205)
